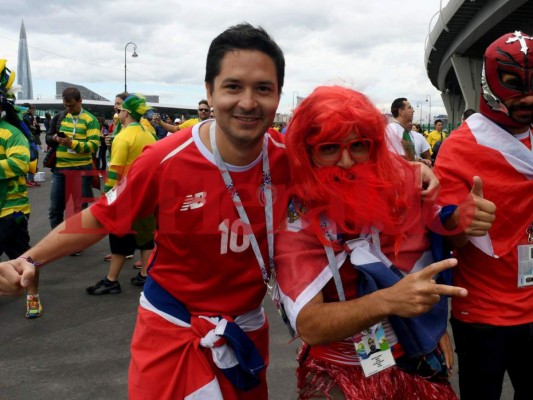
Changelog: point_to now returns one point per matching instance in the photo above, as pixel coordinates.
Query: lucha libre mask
(510, 54)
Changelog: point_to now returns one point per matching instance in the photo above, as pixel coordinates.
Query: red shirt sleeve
(134, 197)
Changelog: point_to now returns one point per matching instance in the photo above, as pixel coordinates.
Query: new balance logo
(191, 203)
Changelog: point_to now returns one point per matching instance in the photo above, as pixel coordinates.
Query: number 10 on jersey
(235, 237)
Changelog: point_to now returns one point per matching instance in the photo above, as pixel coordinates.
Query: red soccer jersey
(201, 256)
(480, 147)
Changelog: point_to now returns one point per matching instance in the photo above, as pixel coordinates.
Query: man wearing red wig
(354, 264)
(493, 326)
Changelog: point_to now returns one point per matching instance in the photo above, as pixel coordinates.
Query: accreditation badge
(373, 350)
(525, 265)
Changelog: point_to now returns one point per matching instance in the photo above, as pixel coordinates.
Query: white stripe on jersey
(275, 143)
(177, 150)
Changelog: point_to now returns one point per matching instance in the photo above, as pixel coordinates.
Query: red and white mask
(510, 54)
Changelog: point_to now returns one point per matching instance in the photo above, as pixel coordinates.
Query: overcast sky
(376, 47)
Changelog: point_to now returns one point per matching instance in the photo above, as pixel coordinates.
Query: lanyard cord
(267, 190)
(75, 123)
(332, 260)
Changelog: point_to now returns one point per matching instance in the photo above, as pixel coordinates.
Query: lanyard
(267, 190)
(332, 259)
(75, 122)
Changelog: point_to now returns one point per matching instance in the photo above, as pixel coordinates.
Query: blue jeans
(63, 179)
(485, 352)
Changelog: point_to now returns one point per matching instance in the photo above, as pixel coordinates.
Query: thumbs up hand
(477, 187)
(477, 213)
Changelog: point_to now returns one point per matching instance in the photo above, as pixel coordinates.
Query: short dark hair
(243, 37)
(123, 95)
(438, 120)
(468, 112)
(71, 93)
(396, 106)
(203, 101)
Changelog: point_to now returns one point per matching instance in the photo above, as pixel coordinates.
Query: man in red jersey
(201, 330)
(493, 326)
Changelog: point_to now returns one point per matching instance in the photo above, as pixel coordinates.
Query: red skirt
(317, 378)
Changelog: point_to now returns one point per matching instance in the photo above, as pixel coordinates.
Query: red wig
(378, 193)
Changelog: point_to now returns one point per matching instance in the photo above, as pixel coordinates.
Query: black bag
(435, 150)
(50, 159)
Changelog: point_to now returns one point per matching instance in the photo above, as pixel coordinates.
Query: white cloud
(375, 47)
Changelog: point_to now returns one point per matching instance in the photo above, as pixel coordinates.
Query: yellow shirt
(148, 127)
(127, 146)
(189, 122)
(434, 137)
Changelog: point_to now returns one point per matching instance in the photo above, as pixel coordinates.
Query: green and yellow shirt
(84, 131)
(14, 164)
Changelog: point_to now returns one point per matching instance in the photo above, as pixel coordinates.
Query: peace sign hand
(417, 293)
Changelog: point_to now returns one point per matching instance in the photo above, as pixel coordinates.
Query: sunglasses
(204, 109)
(329, 153)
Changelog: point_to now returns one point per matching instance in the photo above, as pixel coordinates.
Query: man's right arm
(322, 322)
(80, 231)
(168, 127)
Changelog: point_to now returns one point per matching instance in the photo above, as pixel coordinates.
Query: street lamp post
(293, 102)
(125, 62)
(429, 116)
(421, 105)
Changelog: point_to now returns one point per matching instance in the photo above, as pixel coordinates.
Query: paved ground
(79, 348)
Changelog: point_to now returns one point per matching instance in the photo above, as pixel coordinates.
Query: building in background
(86, 94)
(23, 67)
(455, 45)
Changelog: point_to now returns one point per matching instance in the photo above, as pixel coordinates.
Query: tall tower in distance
(23, 67)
